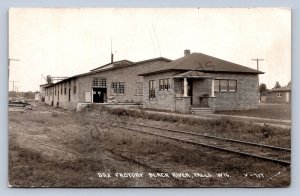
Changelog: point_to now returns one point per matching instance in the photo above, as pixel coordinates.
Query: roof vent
(186, 52)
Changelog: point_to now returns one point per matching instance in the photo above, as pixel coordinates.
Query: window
(118, 88)
(69, 95)
(99, 82)
(164, 84)
(151, 89)
(225, 85)
(74, 90)
(232, 85)
(279, 95)
(65, 88)
(139, 88)
(217, 85)
(55, 90)
(61, 90)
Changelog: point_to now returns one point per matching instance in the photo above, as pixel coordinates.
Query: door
(99, 95)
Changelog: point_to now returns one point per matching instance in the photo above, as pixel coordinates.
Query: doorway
(99, 95)
(190, 89)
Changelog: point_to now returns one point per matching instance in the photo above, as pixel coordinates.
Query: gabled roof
(45, 85)
(192, 74)
(111, 68)
(204, 63)
(116, 63)
(284, 88)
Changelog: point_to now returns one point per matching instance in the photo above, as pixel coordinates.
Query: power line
(257, 62)
(156, 40)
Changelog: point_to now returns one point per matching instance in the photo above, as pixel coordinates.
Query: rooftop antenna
(111, 53)
(156, 40)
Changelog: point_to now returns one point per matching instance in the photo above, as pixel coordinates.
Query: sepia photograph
(149, 97)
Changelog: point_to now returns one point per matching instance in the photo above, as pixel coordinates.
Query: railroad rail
(261, 151)
(275, 154)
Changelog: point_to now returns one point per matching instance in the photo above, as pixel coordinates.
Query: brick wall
(182, 104)
(244, 98)
(129, 75)
(163, 99)
(200, 87)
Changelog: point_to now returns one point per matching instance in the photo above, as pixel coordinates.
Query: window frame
(100, 82)
(218, 87)
(152, 89)
(164, 84)
(139, 88)
(117, 87)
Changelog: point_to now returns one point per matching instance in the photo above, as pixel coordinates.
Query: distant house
(280, 95)
(198, 82)
(42, 93)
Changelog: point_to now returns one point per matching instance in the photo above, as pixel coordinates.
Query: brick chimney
(187, 52)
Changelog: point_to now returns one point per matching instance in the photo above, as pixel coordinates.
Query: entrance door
(99, 95)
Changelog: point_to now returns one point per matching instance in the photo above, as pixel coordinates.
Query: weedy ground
(54, 148)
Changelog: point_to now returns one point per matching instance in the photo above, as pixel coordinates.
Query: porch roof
(192, 74)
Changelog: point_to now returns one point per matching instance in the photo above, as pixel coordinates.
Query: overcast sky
(65, 42)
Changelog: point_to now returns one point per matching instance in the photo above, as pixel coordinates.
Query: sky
(63, 42)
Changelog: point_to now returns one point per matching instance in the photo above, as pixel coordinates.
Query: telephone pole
(9, 59)
(14, 84)
(257, 64)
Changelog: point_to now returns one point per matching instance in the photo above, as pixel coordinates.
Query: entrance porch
(194, 92)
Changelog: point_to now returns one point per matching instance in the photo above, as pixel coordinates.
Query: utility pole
(257, 64)
(14, 85)
(9, 59)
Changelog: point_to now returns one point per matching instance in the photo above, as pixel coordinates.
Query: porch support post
(212, 88)
(185, 87)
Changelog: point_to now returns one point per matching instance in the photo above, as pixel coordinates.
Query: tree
(277, 85)
(262, 87)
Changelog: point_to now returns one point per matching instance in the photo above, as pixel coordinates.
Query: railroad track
(261, 151)
(275, 154)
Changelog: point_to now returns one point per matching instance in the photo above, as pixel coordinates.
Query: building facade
(190, 82)
(116, 82)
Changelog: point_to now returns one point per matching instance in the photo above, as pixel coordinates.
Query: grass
(273, 111)
(220, 127)
(102, 149)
